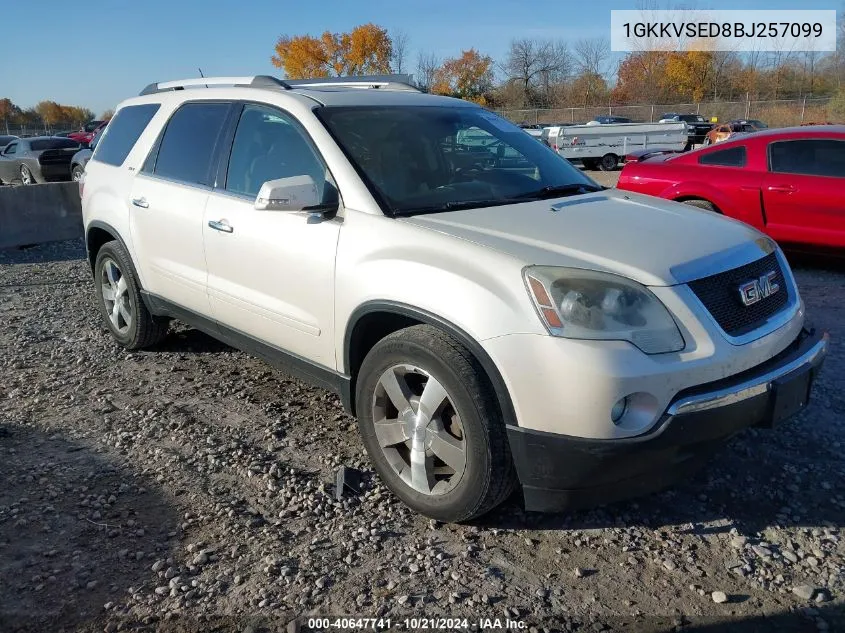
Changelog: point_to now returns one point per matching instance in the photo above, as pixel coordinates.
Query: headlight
(584, 304)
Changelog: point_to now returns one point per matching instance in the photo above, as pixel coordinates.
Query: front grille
(720, 295)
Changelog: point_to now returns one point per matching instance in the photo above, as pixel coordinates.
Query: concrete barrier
(39, 213)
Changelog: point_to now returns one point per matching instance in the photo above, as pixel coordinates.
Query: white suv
(491, 316)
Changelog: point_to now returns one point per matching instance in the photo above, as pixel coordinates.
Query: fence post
(651, 120)
(803, 106)
(747, 105)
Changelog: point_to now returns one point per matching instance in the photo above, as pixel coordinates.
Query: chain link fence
(779, 113)
(37, 128)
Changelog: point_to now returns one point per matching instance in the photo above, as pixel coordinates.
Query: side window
(269, 145)
(123, 132)
(812, 157)
(187, 145)
(12, 149)
(731, 157)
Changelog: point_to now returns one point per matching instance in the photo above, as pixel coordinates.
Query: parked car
(757, 124)
(5, 140)
(36, 160)
(81, 158)
(788, 183)
(606, 120)
(87, 132)
(491, 322)
(698, 125)
(726, 131)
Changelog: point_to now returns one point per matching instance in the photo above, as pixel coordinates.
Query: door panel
(272, 277)
(167, 235)
(804, 191)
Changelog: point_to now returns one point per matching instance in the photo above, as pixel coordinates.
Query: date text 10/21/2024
(415, 624)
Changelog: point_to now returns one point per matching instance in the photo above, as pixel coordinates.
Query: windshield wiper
(558, 191)
(453, 206)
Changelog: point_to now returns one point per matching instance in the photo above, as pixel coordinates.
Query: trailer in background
(604, 146)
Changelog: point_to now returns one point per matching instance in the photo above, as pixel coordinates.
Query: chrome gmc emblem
(757, 289)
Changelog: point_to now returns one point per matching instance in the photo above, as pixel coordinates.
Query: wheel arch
(98, 233)
(373, 320)
(685, 198)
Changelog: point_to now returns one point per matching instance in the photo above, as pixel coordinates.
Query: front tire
(432, 427)
(76, 173)
(120, 303)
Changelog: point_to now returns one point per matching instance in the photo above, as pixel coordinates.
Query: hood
(655, 242)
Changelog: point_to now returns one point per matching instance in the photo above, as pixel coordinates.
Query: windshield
(427, 159)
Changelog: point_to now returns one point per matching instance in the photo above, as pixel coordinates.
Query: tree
(366, 49)
(468, 77)
(7, 111)
(427, 65)
(590, 59)
(107, 115)
(399, 42)
(688, 73)
(535, 65)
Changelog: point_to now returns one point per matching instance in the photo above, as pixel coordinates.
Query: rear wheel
(26, 176)
(609, 162)
(701, 204)
(432, 426)
(119, 298)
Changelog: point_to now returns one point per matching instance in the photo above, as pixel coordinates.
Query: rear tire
(432, 427)
(120, 302)
(701, 204)
(26, 176)
(609, 162)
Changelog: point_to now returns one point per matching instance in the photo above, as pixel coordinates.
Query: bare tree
(537, 65)
(427, 66)
(591, 57)
(399, 51)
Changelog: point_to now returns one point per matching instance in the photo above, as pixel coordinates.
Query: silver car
(30, 161)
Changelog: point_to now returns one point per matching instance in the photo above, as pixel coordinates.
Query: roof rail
(383, 82)
(258, 81)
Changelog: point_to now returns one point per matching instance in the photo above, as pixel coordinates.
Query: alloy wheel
(26, 175)
(116, 296)
(419, 430)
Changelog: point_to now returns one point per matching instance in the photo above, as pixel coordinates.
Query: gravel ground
(190, 488)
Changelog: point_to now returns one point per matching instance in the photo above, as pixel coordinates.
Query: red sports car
(86, 134)
(789, 182)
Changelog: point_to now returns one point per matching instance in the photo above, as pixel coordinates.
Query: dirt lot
(191, 488)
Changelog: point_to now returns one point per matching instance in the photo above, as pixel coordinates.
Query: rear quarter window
(729, 157)
(123, 132)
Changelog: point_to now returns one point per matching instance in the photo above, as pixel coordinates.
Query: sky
(103, 51)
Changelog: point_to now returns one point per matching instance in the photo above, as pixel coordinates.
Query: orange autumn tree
(469, 77)
(689, 73)
(364, 50)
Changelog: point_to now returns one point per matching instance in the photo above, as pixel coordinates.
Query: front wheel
(609, 162)
(432, 426)
(76, 173)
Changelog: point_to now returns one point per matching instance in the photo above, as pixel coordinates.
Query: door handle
(782, 188)
(141, 202)
(221, 225)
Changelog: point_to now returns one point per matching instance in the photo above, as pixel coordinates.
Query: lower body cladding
(559, 472)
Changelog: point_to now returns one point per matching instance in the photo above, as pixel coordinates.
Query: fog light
(619, 409)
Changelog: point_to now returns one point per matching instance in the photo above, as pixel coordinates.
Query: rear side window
(730, 157)
(187, 146)
(812, 157)
(123, 132)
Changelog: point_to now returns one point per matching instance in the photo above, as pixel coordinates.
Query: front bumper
(559, 472)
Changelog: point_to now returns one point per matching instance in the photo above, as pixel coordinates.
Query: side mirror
(297, 193)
